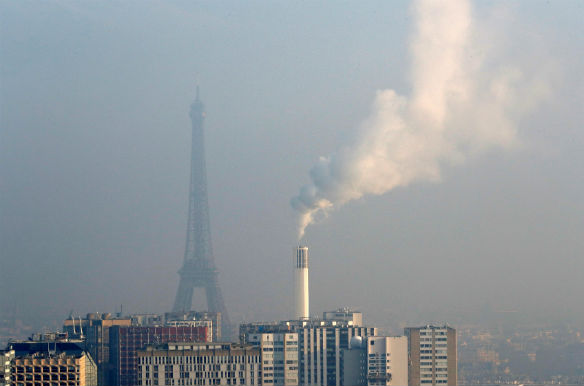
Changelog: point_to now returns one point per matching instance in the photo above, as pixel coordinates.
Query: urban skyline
(95, 144)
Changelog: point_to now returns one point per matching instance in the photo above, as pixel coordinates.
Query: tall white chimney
(301, 282)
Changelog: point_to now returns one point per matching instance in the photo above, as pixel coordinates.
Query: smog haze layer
(95, 151)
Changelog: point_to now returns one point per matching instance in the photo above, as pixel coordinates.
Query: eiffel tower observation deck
(199, 270)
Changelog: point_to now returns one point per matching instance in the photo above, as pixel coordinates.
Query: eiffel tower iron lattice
(199, 270)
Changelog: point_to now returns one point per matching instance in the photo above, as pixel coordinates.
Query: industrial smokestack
(301, 282)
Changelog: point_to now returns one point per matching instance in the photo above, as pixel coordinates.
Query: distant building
(51, 359)
(245, 329)
(279, 351)
(344, 314)
(319, 345)
(432, 355)
(214, 317)
(126, 341)
(171, 319)
(199, 364)
(94, 329)
(147, 319)
(6, 357)
(193, 323)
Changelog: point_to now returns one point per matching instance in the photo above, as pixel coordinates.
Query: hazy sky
(95, 152)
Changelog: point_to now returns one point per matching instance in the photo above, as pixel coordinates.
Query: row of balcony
(45, 369)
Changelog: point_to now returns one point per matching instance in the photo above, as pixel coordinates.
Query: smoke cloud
(464, 100)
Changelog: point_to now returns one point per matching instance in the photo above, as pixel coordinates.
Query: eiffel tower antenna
(198, 270)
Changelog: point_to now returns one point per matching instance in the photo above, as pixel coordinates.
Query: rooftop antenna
(197, 87)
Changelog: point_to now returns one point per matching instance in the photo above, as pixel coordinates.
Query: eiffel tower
(198, 270)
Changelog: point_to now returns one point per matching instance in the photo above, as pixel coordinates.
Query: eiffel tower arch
(198, 270)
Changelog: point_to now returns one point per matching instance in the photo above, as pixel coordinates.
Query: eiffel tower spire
(198, 270)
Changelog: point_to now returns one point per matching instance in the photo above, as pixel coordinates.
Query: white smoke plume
(464, 100)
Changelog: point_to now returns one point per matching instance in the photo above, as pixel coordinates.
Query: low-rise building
(199, 364)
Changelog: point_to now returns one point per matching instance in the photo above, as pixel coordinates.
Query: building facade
(432, 355)
(62, 369)
(344, 314)
(320, 346)
(126, 341)
(375, 360)
(94, 329)
(320, 343)
(387, 360)
(199, 364)
(279, 365)
(51, 359)
(214, 317)
(6, 357)
(354, 364)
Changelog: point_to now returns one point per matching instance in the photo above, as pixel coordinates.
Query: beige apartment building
(46, 369)
(200, 364)
(432, 355)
